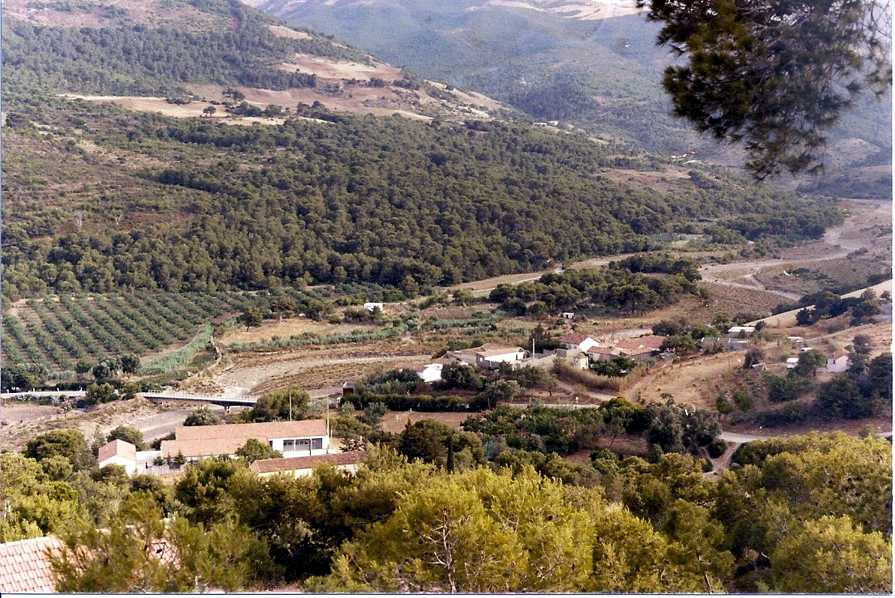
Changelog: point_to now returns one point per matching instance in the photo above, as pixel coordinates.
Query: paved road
(49, 394)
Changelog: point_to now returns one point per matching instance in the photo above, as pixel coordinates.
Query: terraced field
(58, 332)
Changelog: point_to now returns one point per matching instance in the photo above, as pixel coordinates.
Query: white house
(431, 372)
(838, 362)
(118, 452)
(492, 355)
(373, 306)
(291, 438)
(792, 362)
(304, 466)
(125, 454)
(578, 342)
(568, 315)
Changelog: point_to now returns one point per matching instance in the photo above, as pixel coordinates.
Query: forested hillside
(197, 205)
(594, 64)
(121, 55)
(100, 199)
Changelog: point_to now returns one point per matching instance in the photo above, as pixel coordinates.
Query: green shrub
(742, 400)
(723, 405)
(716, 448)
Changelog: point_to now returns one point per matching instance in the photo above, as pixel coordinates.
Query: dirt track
(856, 233)
(251, 376)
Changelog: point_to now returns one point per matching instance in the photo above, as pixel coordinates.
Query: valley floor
(741, 286)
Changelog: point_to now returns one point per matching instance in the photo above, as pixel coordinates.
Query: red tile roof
(211, 447)
(118, 448)
(574, 338)
(296, 463)
(24, 566)
(263, 431)
(603, 351)
(641, 345)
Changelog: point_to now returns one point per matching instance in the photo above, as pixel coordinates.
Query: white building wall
(130, 466)
(301, 473)
(586, 344)
(837, 366)
(278, 443)
(493, 360)
(431, 373)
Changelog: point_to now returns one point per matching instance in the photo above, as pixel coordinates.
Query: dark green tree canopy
(773, 74)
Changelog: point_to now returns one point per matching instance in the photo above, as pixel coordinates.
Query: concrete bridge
(222, 400)
(156, 397)
(225, 400)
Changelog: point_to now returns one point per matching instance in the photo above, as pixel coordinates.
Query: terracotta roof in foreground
(295, 463)
(24, 566)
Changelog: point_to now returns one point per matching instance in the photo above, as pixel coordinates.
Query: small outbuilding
(492, 355)
(430, 372)
(838, 362)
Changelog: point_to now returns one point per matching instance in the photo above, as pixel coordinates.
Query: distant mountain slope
(202, 47)
(591, 63)
(147, 185)
(99, 199)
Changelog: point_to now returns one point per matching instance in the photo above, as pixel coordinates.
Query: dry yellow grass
(288, 327)
(286, 32)
(396, 421)
(191, 110)
(687, 381)
(328, 68)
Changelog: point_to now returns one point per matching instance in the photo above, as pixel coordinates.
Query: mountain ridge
(601, 74)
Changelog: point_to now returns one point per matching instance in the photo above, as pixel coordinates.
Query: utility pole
(290, 404)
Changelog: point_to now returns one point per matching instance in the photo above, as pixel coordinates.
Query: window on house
(303, 444)
(316, 443)
(288, 445)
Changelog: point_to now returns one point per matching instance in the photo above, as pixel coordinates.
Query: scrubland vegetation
(461, 521)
